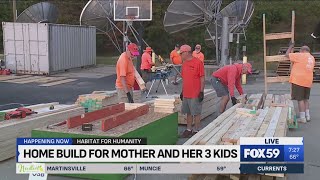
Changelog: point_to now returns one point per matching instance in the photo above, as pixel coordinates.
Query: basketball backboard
(132, 10)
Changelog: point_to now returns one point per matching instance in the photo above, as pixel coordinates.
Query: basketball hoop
(130, 19)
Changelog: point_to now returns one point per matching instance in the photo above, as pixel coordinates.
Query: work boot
(308, 118)
(302, 120)
(194, 132)
(186, 134)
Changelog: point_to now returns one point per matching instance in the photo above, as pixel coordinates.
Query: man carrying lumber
(192, 89)
(125, 73)
(176, 60)
(301, 78)
(146, 64)
(197, 53)
(224, 80)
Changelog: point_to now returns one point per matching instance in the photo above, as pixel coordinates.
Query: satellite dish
(43, 12)
(98, 14)
(239, 13)
(182, 14)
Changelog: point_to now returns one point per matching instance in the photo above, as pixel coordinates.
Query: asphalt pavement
(68, 93)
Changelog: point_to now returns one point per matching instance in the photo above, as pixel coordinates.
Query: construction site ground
(68, 93)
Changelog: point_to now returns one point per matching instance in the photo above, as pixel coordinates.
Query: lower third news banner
(114, 155)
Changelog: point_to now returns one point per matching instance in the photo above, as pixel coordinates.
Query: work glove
(201, 96)
(181, 96)
(130, 99)
(234, 100)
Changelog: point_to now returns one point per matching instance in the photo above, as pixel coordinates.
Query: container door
(26, 47)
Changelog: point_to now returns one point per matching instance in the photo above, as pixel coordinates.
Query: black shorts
(300, 93)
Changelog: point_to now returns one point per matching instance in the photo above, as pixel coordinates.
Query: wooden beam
(6, 77)
(124, 117)
(58, 82)
(283, 35)
(273, 123)
(233, 117)
(95, 115)
(277, 58)
(278, 79)
(206, 130)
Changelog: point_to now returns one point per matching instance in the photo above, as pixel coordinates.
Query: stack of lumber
(14, 128)
(255, 101)
(171, 104)
(103, 97)
(241, 121)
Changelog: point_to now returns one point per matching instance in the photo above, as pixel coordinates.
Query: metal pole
(216, 41)
(14, 10)
(224, 41)
(238, 43)
(140, 44)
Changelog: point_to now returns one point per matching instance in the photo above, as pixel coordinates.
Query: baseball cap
(148, 49)
(185, 48)
(198, 46)
(249, 67)
(177, 45)
(133, 48)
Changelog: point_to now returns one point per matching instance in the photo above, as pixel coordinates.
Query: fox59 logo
(261, 153)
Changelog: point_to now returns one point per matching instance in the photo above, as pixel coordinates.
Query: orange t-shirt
(175, 57)
(125, 68)
(146, 61)
(191, 73)
(302, 69)
(199, 55)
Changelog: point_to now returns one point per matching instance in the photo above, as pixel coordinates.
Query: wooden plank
(265, 123)
(277, 58)
(30, 81)
(273, 123)
(23, 79)
(202, 133)
(241, 130)
(278, 79)
(95, 115)
(282, 35)
(3, 78)
(254, 129)
(254, 177)
(124, 117)
(282, 123)
(58, 82)
(49, 79)
(139, 80)
(269, 97)
(233, 117)
(218, 137)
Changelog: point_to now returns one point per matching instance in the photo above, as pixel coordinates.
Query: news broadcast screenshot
(159, 90)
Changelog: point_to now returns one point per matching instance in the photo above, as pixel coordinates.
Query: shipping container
(42, 48)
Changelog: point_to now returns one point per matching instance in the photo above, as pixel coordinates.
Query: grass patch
(107, 60)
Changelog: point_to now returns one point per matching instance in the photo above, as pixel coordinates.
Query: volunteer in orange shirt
(146, 64)
(192, 89)
(301, 78)
(125, 73)
(225, 79)
(176, 60)
(197, 53)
